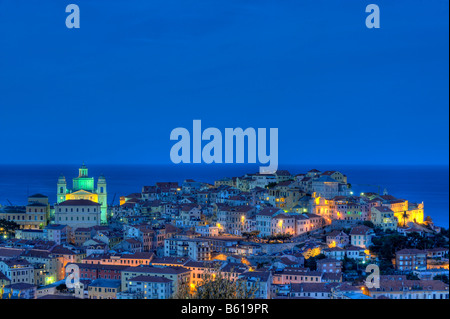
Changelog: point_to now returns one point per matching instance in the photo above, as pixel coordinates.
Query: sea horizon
(415, 183)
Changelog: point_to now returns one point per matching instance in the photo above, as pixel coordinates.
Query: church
(83, 188)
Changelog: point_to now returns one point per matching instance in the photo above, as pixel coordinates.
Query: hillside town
(280, 236)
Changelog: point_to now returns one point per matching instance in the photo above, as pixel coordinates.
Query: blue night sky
(112, 91)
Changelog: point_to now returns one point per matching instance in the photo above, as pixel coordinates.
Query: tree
(260, 265)
(443, 278)
(415, 240)
(61, 287)
(281, 237)
(386, 246)
(349, 264)
(405, 216)
(428, 222)
(444, 232)
(216, 285)
(8, 227)
(386, 267)
(412, 277)
(311, 262)
(369, 224)
(271, 185)
(251, 235)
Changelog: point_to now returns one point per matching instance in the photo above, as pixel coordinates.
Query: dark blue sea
(429, 184)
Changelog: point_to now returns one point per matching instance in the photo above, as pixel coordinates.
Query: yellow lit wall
(89, 196)
(413, 215)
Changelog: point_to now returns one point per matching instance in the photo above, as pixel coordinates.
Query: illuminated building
(32, 217)
(384, 218)
(337, 238)
(361, 236)
(283, 224)
(151, 287)
(327, 187)
(78, 213)
(404, 211)
(399, 287)
(410, 259)
(177, 275)
(17, 271)
(84, 188)
(195, 248)
(235, 219)
(104, 289)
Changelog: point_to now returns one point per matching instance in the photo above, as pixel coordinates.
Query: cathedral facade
(83, 187)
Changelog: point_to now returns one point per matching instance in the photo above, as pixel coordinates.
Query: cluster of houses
(257, 228)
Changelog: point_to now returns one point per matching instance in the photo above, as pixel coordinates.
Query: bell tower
(61, 189)
(102, 197)
(83, 171)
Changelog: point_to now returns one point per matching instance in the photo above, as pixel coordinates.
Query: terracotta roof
(10, 252)
(383, 209)
(170, 260)
(399, 284)
(335, 233)
(410, 252)
(269, 211)
(157, 270)
(3, 277)
(20, 286)
(78, 202)
(360, 230)
(37, 196)
(100, 266)
(156, 279)
(16, 262)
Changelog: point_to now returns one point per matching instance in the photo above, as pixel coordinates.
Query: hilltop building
(84, 189)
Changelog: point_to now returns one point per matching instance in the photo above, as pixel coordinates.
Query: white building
(151, 287)
(17, 271)
(194, 248)
(207, 230)
(78, 213)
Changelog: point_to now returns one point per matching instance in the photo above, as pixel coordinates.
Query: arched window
(61, 190)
